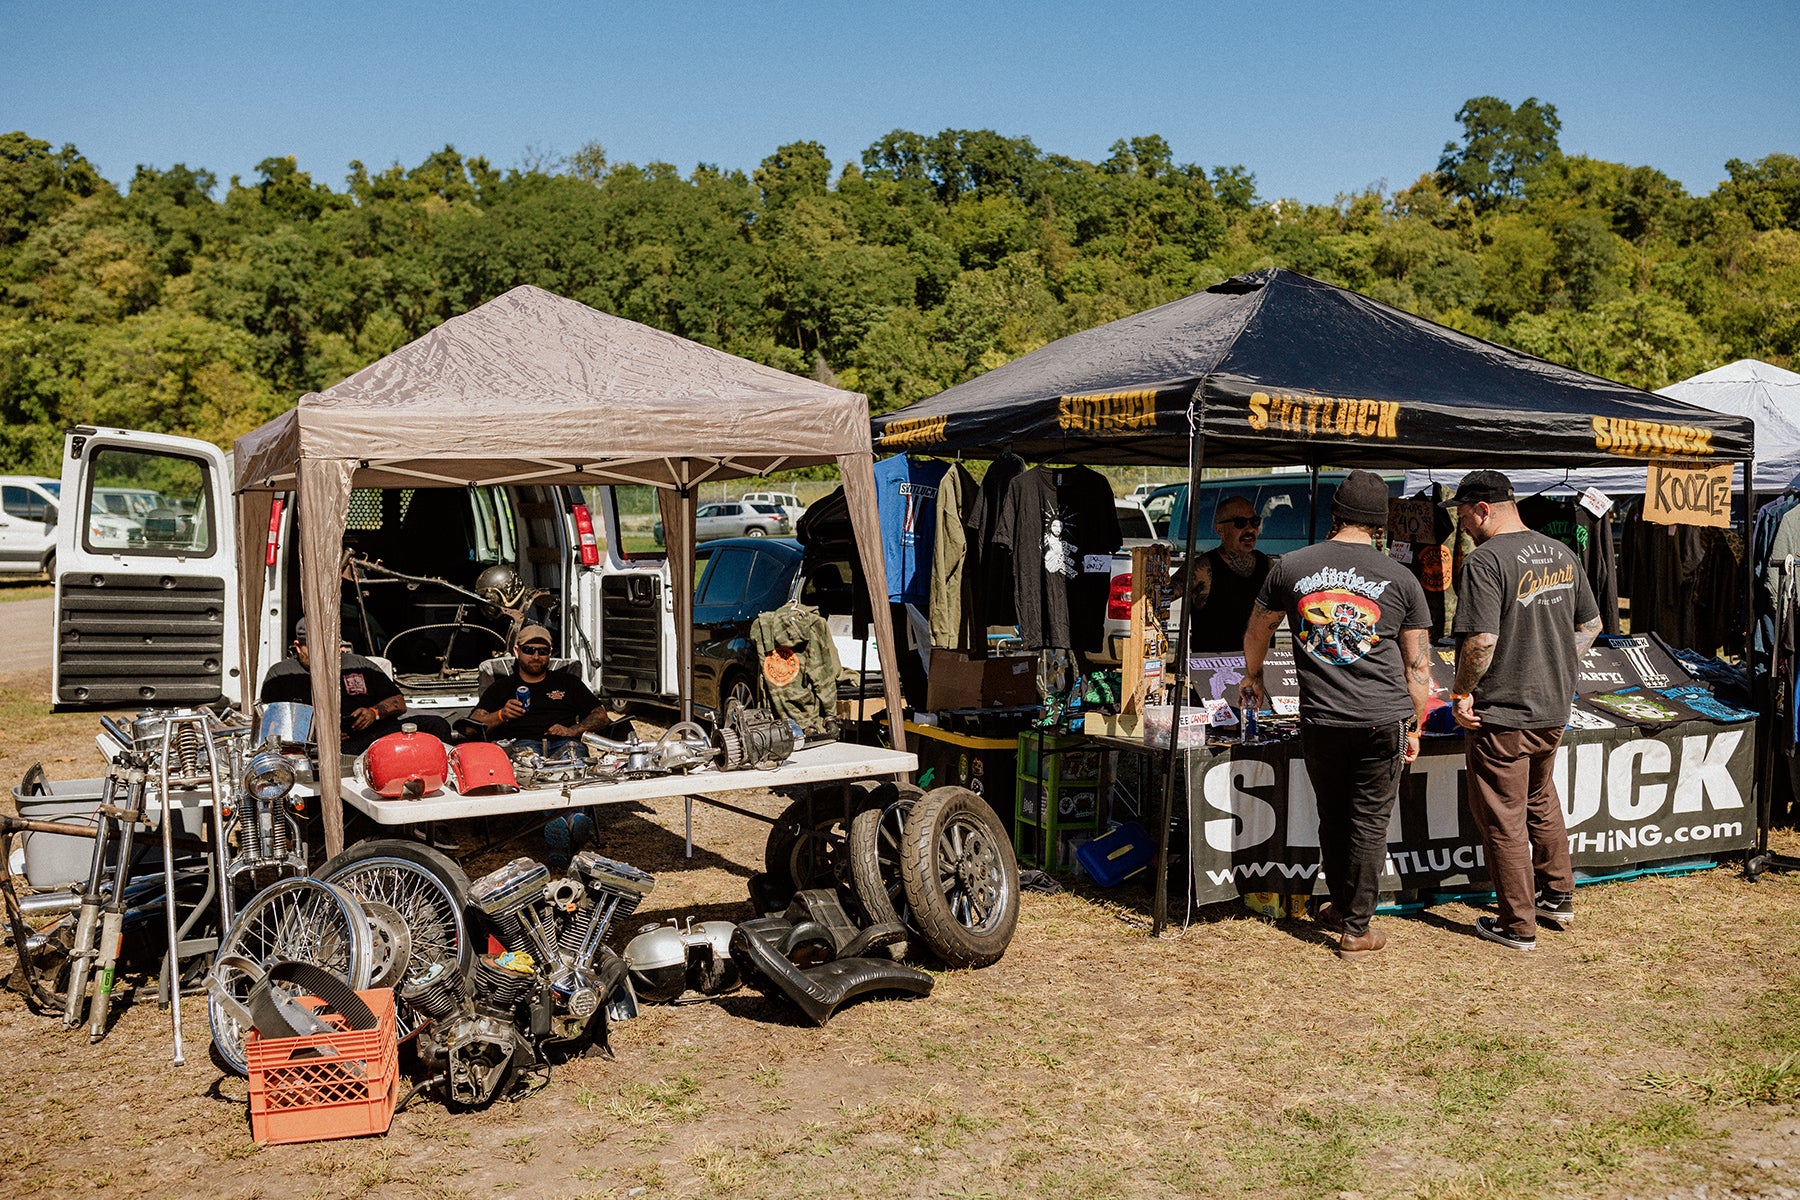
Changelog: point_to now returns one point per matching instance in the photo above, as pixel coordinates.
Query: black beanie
(1362, 498)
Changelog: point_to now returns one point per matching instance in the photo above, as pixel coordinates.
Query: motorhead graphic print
(1339, 610)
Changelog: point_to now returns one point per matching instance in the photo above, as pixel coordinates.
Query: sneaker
(1489, 928)
(581, 830)
(1556, 906)
(556, 841)
(1327, 916)
(1370, 941)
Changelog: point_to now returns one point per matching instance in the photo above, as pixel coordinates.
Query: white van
(29, 514)
(150, 615)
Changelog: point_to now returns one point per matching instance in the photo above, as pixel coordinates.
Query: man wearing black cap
(370, 705)
(1524, 617)
(1360, 625)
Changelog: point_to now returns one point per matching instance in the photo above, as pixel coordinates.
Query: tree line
(171, 303)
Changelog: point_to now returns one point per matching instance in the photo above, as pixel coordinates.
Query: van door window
(167, 510)
(1283, 511)
(23, 503)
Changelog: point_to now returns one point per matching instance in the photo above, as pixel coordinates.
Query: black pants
(1355, 774)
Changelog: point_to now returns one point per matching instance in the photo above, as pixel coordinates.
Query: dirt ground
(1651, 1051)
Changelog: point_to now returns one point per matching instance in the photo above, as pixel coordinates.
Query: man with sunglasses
(561, 708)
(1225, 581)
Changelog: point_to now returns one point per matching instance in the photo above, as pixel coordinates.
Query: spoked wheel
(960, 877)
(296, 920)
(429, 892)
(875, 858)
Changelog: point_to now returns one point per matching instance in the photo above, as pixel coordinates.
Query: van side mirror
(49, 517)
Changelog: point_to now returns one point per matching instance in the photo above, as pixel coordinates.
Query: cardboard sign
(1676, 494)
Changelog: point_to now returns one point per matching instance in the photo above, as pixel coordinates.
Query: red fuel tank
(482, 769)
(408, 764)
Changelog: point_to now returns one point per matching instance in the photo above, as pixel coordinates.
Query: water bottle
(523, 695)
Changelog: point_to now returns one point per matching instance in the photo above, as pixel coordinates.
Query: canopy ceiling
(1285, 370)
(535, 388)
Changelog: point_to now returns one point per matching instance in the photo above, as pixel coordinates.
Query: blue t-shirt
(906, 498)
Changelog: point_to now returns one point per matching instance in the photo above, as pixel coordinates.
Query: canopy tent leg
(1196, 455)
(1761, 858)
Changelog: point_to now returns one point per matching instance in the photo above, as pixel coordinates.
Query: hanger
(1567, 471)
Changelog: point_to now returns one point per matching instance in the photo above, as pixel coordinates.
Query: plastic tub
(54, 861)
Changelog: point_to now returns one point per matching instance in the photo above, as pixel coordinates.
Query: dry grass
(1652, 1050)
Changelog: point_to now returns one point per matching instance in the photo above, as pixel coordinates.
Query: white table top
(820, 764)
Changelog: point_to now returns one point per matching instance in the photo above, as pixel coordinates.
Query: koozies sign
(1628, 797)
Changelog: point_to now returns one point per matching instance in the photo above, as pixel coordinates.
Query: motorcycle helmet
(500, 586)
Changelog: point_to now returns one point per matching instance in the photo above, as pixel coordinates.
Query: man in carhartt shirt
(1524, 617)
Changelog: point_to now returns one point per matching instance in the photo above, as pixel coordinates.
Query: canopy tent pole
(325, 504)
(1196, 455)
(1760, 858)
(1312, 508)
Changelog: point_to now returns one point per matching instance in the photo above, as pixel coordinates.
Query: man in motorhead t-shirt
(1524, 617)
(1360, 623)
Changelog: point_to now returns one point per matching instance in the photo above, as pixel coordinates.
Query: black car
(739, 578)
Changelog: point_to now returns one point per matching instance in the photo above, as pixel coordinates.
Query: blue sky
(1315, 98)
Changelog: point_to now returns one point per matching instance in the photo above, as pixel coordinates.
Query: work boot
(1362, 945)
(1327, 916)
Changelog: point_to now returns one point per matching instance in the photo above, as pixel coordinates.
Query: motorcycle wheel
(801, 855)
(427, 889)
(960, 877)
(296, 920)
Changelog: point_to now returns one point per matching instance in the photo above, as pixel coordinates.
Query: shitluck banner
(1629, 797)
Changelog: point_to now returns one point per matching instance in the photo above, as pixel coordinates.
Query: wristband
(1455, 696)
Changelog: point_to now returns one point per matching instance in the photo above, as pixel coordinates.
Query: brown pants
(1512, 796)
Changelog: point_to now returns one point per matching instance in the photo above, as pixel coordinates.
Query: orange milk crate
(296, 1097)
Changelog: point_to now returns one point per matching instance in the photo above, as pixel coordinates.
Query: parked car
(786, 501)
(741, 577)
(735, 519)
(28, 510)
(1134, 524)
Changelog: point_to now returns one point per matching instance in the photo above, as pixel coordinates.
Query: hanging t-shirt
(1528, 589)
(990, 564)
(1062, 529)
(1346, 604)
(906, 493)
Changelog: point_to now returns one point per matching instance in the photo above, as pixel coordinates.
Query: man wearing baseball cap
(1360, 624)
(1524, 617)
(370, 705)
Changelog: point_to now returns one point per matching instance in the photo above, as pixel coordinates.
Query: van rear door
(627, 610)
(146, 572)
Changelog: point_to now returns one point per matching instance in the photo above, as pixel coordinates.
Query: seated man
(1224, 581)
(370, 705)
(561, 707)
(561, 710)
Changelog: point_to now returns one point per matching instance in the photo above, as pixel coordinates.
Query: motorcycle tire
(875, 877)
(960, 877)
(798, 856)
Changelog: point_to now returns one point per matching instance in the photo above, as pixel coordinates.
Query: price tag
(1401, 552)
(1595, 503)
(1094, 564)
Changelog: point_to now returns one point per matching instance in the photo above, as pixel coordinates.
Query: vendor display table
(835, 761)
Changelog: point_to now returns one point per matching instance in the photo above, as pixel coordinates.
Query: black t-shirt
(361, 684)
(1220, 624)
(1346, 604)
(559, 698)
(1528, 589)
(1062, 529)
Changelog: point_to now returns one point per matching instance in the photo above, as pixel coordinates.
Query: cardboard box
(958, 681)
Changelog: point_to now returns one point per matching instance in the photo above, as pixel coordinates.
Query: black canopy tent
(1276, 369)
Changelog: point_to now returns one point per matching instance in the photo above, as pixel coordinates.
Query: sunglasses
(1240, 522)
(534, 650)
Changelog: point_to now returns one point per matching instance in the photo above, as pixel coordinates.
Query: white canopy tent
(534, 388)
(1766, 394)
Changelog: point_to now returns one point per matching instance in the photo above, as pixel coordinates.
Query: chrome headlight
(269, 776)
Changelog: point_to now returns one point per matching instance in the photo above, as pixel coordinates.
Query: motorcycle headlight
(269, 776)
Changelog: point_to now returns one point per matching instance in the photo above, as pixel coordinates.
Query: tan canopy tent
(534, 388)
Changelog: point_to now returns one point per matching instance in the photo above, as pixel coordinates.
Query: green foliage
(181, 305)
